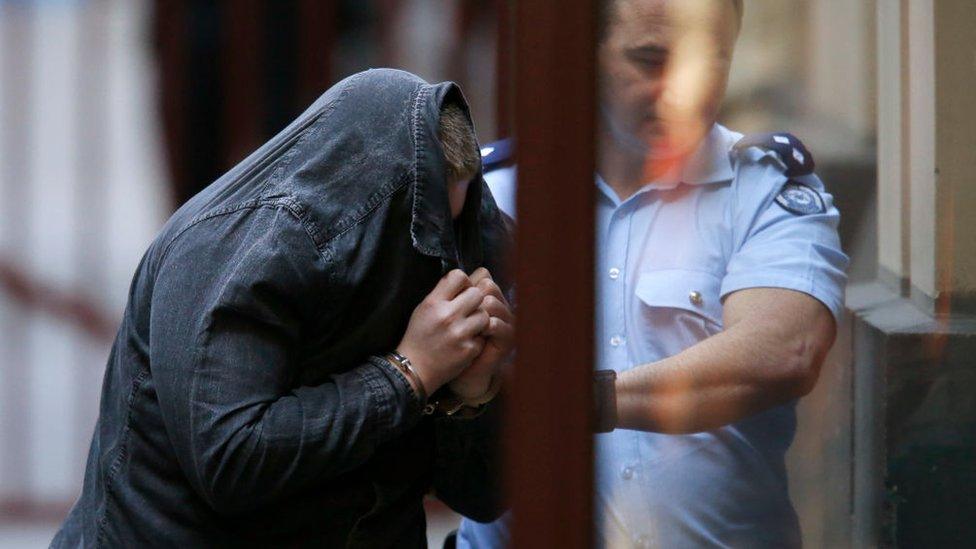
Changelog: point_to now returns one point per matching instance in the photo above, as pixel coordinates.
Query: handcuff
(450, 404)
(447, 403)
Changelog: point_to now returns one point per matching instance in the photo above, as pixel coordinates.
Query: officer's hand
(500, 340)
(445, 330)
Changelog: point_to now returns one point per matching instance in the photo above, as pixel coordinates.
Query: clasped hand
(460, 334)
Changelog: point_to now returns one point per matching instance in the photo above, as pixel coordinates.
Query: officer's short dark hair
(607, 13)
(459, 143)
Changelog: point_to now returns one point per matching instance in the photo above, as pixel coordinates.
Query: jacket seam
(296, 209)
(422, 93)
(373, 202)
(121, 454)
(293, 207)
(289, 156)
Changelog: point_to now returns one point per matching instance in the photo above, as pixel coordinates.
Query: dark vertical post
(551, 446)
(317, 35)
(466, 17)
(240, 51)
(503, 70)
(241, 47)
(387, 12)
(171, 39)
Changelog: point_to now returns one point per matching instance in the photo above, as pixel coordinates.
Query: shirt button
(627, 473)
(642, 541)
(616, 341)
(695, 297)
(614, 273)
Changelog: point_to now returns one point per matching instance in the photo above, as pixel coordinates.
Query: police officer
(720, 280)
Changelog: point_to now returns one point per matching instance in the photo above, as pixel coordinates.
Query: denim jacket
(243, 402)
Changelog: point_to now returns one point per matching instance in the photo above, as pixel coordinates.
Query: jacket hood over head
(368, 137)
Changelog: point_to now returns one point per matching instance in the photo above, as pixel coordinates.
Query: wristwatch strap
(604, 401)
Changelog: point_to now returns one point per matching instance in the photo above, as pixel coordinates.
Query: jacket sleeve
(232, 297)
(467, 468)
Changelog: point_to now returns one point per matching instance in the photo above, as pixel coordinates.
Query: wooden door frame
(549, 467)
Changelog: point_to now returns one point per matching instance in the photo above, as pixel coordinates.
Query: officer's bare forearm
(769, 354)
(716, 382)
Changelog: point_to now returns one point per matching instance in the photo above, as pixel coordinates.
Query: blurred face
(457, 191)
(663, 69)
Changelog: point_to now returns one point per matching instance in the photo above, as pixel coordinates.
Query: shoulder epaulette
(498, 154)
(790, 150)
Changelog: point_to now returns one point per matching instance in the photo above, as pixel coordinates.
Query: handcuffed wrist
(494, 386)
(405, 367)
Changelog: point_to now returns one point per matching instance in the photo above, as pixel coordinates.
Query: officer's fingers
(450, 285)
(466, 302)
(479, 274)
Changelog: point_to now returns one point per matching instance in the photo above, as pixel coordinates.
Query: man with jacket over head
(310, 345)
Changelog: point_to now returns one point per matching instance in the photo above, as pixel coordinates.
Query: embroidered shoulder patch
(798, 198)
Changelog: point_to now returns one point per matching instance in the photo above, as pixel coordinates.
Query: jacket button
(695, 297)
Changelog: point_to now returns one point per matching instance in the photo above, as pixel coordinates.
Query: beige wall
(955, 144)
(807, 66)
(921, 143)
(892, 132)
(926, 144)
(840, 65)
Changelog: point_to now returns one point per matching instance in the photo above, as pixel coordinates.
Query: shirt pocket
(680, 306)
(673, 310)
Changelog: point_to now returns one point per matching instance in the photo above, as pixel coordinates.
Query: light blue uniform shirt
(666, 257)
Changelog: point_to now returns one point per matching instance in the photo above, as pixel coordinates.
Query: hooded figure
(244, 400)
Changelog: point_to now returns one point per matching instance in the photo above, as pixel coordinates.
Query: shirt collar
(710, 163)
(432, 229)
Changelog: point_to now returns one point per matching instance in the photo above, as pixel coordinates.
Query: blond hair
(459, 143)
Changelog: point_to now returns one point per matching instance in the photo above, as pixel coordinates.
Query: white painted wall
(55, 369)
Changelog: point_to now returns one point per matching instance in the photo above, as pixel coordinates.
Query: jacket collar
(432, 230)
